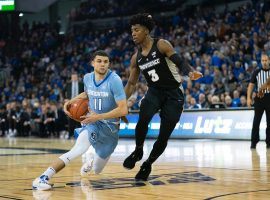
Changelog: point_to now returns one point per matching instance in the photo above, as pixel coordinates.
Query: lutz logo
(162, 179)
(217, 125)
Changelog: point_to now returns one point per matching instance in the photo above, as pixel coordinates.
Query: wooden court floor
(188, 169)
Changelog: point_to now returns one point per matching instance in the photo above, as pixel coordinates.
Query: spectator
(72, 89)
(236, 99)
(194, 104)
(202, 101)
(216, 104)
(228, 101)
(3, 121)
(243, 101)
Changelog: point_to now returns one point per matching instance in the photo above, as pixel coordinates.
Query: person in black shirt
(261, 101)
(72, 89)
(3, 121)
(161, 67)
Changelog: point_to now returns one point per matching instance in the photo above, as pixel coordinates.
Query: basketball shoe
(135, 156)
(87, 166)
(144, 172)
(41, 183)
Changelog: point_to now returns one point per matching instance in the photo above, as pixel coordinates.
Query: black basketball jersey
(158, 70)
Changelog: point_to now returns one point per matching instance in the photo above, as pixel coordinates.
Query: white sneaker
(87, 167)
(41, 183)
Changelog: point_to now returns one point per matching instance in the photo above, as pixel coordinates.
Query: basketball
(78, 108)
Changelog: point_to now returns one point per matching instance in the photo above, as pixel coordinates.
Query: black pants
(170, 103)
(261, 105)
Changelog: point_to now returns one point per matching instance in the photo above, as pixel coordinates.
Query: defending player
(107, 102)
(159, 63)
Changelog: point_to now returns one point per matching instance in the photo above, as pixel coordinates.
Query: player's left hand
(90, 118)
(195, 75)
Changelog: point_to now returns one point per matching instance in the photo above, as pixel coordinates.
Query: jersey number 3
(154, 75)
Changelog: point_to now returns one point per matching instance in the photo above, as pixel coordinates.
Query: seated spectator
(216, 104)
(207, 77)
(194, 104)
(202, 101)
(243, 101)
(228, 101)
(236, 99)
(219, 88)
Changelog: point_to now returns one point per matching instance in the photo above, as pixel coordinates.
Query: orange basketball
(78, 108)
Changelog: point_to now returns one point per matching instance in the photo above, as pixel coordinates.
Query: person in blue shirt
(107, 102)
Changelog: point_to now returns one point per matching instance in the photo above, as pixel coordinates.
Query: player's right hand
(66, 106)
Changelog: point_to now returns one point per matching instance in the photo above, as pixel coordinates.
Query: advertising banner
(228, 124)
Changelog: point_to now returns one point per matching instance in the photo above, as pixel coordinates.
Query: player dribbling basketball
(107, 102)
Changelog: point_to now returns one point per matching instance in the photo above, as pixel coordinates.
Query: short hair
(144, 19)
(264, 54)
(100, 53)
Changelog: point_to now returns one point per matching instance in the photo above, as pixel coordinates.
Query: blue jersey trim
(97, 85)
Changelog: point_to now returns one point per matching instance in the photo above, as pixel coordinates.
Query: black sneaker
(253, 146)
(135, 156)
(144, 172)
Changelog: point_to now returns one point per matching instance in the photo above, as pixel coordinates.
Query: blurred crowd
(34, 73)
(91, 9)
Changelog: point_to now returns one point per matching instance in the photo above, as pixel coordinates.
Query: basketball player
(107, 102)
(159, 63)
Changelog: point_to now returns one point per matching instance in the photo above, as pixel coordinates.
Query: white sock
(49, 172)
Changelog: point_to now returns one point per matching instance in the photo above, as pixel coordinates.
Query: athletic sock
(49, 172)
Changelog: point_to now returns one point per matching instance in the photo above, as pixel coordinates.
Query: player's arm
(119, 111)
(82, 95)
(167, 49)
(133, 77)
(249, 93)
